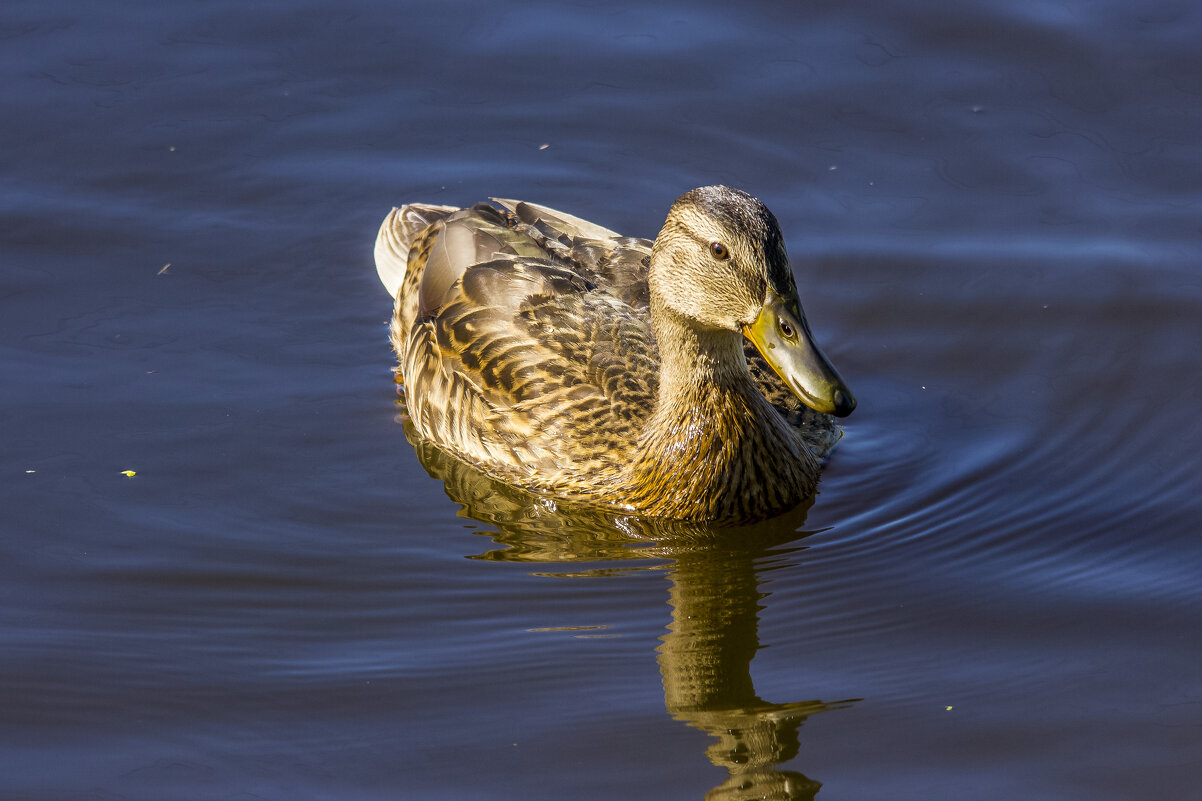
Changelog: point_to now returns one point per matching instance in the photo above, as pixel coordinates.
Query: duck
(670, 378)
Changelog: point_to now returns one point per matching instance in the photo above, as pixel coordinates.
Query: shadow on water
(705, 658)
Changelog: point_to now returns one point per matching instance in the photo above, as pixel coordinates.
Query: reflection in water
(705, 658)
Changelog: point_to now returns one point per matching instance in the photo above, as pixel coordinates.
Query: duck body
(560, 356)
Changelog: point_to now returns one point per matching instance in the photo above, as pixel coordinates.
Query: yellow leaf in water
(128, 473)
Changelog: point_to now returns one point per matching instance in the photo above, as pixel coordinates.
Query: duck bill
(782, 336)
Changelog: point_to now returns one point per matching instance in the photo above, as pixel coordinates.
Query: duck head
(719, 262)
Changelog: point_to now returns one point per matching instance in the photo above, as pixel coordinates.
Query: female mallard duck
(560, 356)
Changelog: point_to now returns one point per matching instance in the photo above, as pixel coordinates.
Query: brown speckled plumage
(533, 346)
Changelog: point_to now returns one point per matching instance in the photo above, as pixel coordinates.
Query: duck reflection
(705, 661)
(706, 655)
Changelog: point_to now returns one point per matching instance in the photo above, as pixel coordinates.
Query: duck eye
(786, 330)
(719, 251)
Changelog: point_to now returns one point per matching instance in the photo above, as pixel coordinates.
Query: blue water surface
(992, 210)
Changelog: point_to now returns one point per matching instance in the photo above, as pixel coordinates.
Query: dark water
(993, 211)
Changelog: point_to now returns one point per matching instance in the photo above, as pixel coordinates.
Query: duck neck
(714, 448)
(695, 359)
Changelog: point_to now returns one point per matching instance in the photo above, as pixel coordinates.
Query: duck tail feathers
(397, 233)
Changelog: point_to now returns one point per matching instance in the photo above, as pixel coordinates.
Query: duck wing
(520, 358)
(617, 263)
